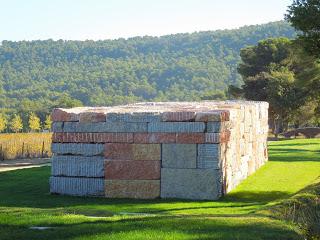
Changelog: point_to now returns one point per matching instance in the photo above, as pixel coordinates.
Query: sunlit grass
(25, 201)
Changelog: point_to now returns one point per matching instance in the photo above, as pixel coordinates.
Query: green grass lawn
(25, 202)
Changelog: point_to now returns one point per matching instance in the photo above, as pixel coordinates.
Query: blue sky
(109, 19)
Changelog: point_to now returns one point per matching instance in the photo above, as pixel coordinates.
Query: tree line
(286, 72)
(31, 124)
(36, 76)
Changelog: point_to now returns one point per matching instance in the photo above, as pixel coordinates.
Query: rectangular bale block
(57, 127)
(59, 115)
(213, 116)
(77, 166)
(208, 156)
(134, 117)
(215, 127)
(179, 155)
(132, 169)
(190, 138)
(123, 151)
(196, 184)
(92, 137)
(154, 137)
(77, 149)
(105, 127)
(212, 138)
(77, 186)
(208, 162)
(176, 127)
(88, 117)
(209, 150)
(178, 116)
(57, 137)
(226, 140)
(139, 189)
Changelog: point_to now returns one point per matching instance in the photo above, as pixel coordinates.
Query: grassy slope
(25, 202)
(303, 209)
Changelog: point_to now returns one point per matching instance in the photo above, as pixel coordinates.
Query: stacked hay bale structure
(190, 150)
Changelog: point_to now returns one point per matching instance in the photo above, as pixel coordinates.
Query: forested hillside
(38, 75)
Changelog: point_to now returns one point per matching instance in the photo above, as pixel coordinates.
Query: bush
(304, 210)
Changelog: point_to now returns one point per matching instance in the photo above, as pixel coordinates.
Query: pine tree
(47, 123)
(16, 124)
(34, 122)
(3, 123)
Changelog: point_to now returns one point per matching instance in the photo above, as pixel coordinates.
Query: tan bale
(59, 115)
(127, 151)
(132, 169)
(190, 138)
(139, 189)
(88, 117)
(154, 137)
(213, 116)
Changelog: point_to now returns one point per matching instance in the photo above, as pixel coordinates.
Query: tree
(16, 124)
(269, 71)
(307, 115)
(308, 76)
(285, 98)
(304, 15)
(3, 123)
(213, 95)
(47, 123)
(266, 55)
(66, 101)
(34, 122)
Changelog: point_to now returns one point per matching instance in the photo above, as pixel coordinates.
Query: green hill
(37, 75)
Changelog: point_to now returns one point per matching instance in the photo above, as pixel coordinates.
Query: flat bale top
(160, 107)
(187, 110)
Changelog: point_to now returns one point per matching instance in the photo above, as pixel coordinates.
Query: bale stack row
(192, 150)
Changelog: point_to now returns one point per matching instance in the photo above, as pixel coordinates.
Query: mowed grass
(25, 202)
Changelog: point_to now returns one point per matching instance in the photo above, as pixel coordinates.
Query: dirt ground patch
(9, 165)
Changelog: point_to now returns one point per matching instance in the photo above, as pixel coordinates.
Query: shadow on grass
(161, 227)
(292, 158)
(30, 188)
(256, 197)
(277, 154)
(295, 144)
(289, 150)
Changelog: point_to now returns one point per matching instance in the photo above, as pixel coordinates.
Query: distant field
(25, 145)
(25, 202)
